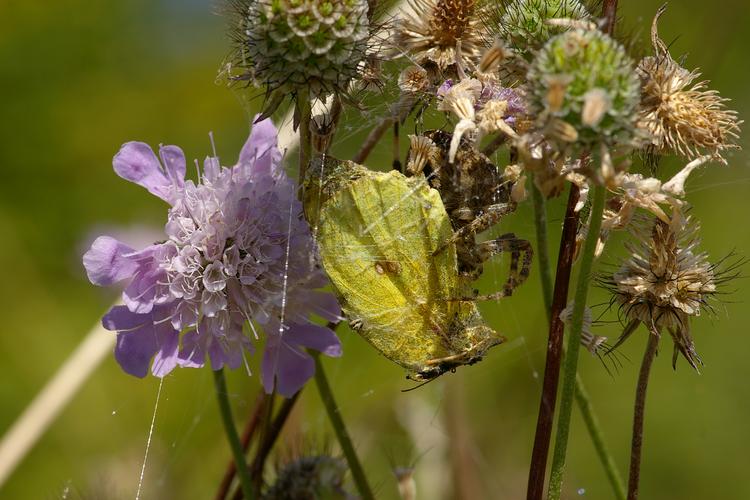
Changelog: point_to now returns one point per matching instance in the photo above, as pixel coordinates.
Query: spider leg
(490, 217)
(516, 247)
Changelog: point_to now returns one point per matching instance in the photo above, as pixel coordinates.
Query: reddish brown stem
(247, 436)
(639, 415)
(272, 434)
(372, 139)
(609, 12)
(554, 351)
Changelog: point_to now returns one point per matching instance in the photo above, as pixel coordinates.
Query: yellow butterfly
(378, 234)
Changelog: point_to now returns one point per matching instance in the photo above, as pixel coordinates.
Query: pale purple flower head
(238, 258)
(496, 92)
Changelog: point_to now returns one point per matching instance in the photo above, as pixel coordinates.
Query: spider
(476, 196)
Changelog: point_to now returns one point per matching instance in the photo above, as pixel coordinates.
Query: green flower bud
(582, 83)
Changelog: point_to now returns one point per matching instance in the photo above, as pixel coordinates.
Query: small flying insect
(384, 240)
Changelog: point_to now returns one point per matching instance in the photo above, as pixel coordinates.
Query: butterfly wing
(376, 236)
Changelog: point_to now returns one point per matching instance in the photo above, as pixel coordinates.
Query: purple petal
(286, 366)
(137, 163)
(192, 354)
(215, 355)
(325, 305)
(260, 154)
(107, 261)
(120, 318)
(140, 294)
(148, 286)
(134, 351)
(167, 358)
(174, 163)
(211, 168)
(315, 337)
(140, 337)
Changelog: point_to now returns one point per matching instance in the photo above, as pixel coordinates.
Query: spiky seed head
(309, 477)
(678, 115)
(293, 45)
(665, 282)
(524, 23)
(433, 32)
(583, 84)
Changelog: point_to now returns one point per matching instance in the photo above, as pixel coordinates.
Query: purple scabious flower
(444, 87)
(496, 92)
(238, 258)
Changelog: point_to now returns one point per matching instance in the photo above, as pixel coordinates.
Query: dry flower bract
(665, 282)
(681, 116)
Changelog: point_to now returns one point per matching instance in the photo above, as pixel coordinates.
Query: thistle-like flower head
(439, 33)
(238, 257)
(679, 115)
(582, 86)
(665, 282)
(290, 45)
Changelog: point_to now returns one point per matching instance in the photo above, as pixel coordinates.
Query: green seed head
(584, 84)
(312, 45)
(524, 26)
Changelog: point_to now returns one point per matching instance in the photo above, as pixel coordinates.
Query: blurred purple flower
(238, 252)
(443, 88)
(496, 92)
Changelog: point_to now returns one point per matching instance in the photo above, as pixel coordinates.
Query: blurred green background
(80, 77)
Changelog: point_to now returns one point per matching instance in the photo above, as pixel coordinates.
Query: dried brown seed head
(678, 115)
(433, 31)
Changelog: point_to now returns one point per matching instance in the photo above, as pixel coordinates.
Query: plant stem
(638, 415)
(597, 437)
(609, 13)
(554, 349)
(247, 436)
(582, 398)
(494, 144)
(265, 442)
(234, 440)
(270, 435)
(326, 395)
(305, 145)
(542, 247)
(570, 363)
(373, 138)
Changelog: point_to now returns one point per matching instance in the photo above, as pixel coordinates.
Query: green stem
(597, 437)
(326, 395)
(305, 144)
(234, 439)
(570, 363)
(581, 395)
(542, 247)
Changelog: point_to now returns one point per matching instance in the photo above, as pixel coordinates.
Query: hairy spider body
(476, 196)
